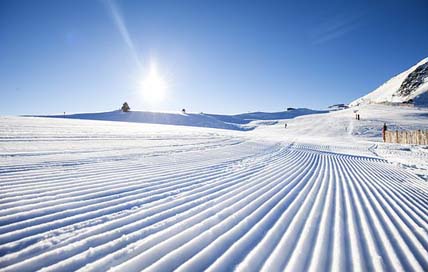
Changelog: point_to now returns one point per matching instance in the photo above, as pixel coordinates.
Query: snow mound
(197, 120)
(241, 122)
(409, 86)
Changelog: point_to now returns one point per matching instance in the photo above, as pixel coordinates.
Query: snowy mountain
(411, 86)
(231, 122)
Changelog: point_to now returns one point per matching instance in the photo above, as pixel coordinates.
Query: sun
(153, 85)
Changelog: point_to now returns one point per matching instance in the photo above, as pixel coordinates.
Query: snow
(387, 92)
(322, 194)
(233, 122)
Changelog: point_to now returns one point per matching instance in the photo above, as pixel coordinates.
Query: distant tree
(183, 110)
(125, 107)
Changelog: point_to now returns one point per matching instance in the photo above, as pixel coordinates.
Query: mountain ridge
(410, 86)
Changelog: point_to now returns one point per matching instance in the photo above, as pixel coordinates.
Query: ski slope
(321, 195)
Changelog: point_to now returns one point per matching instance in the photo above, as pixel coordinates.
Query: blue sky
(215, 56)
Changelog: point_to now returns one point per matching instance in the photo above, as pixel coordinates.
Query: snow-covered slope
(411, 84)
(319, 195)
(342, 129)
(188, 119)
(232, 122)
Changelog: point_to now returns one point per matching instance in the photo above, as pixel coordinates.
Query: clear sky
(205, 56)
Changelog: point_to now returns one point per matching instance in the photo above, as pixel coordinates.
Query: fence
(418, 137)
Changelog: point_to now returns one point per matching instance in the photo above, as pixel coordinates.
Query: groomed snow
(323, 194)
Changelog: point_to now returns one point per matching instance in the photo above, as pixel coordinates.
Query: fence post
(419, 138)
(423, 137)
(426, 137)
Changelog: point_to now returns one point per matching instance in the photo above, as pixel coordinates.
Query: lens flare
(123, 30)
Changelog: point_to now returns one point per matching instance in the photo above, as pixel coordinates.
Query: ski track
(196, 201)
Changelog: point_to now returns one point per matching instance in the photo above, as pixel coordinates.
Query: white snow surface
(387, 92)
(323, 194)
(233, 122)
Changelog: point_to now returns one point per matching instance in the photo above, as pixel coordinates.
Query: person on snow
(384, 129)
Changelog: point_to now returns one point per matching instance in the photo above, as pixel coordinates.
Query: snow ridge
(410, 85)
(240, 122)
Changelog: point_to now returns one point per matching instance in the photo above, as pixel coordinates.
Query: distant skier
(384, 129)
(285, 126)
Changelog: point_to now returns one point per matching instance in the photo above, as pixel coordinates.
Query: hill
(232, 122)
(410, 86)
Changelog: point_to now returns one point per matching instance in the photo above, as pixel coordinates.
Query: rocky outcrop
(414, 80)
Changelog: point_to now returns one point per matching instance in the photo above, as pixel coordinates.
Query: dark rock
(413, 80)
